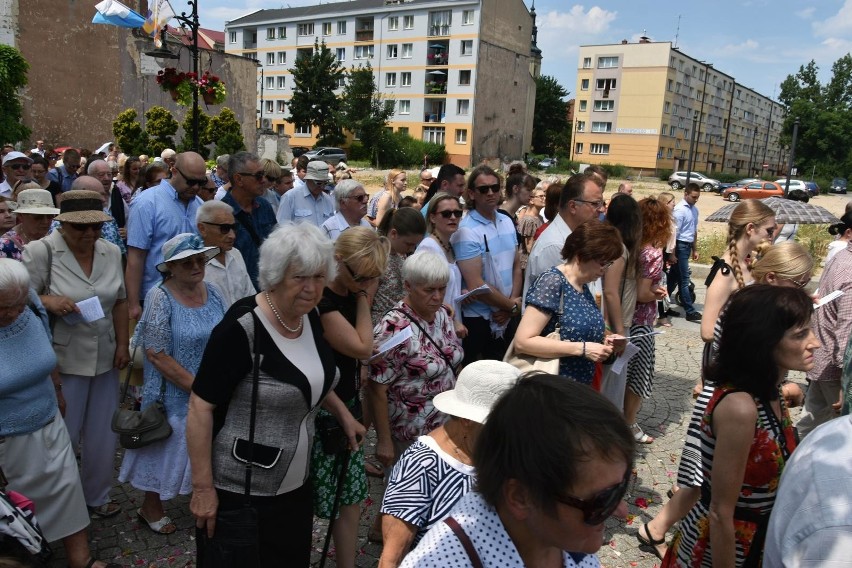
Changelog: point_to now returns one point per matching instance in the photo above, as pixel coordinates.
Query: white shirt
(6, 189)
(300, 206)
(454, 285)
(232, 278)
(546, 251)
(337, 224)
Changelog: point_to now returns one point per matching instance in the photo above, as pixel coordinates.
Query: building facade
(460, 72)
(640, 105)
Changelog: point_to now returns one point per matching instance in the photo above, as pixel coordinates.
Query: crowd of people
(279, 313)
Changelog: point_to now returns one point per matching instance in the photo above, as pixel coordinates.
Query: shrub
(357, 151)
(398, 149)
(618, 171)
(664, 174)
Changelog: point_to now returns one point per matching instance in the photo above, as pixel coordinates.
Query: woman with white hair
(350, 200)
(281, 329)
(408, 376)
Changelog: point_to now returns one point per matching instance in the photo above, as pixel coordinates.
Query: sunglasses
(457, 213)
(358, 279)
(224, 228)
(359, 198)
(256, 175)
(192, 181)
(273, 179)
(599, 508)
(19, 166)
(484, 189)
(83, 226)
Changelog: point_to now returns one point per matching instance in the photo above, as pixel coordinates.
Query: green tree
(365, 112)
(551, 129)
(225, 132)
(314, 102)
(129, 135)
(203, 139)
(13, 76)
(161, 127)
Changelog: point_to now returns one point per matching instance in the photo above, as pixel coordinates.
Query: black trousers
(481, 344)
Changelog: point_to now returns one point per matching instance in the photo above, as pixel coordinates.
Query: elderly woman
(350, 200)
(227, 270)
(548, 514)
(68, 267)
(437, 470)
(34, 213)
(298, 372)
(406, 378)
(560, 298)
(37, 456)
(361, 257)
(179, 315)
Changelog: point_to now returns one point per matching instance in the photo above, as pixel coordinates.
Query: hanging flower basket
(181, 85)
(211, 88)
(174, 94)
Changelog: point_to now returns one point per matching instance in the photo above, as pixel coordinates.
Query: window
(280, 106)
(467, 47)
(669, 153)
(326, 28)
(601, 149)
(305, 29)
(584, 85)
(463, 106)
(269, 106)
(667, 107)
(467, 17)
(232, 37)
(672, 130)
(461, 135)
(282, 57)
(601, 127)
(464, 77)
(578, 148)
(250, 55)
(408, 22)
(341, 27)
(607, 62)
(583, 106)
(280, 129)
(281, 82)
(403, 130)
(270, 82)
(439, 23)
(341, 82)
(341, 54)
(404, 107)
(581, 126)
(605, 106)
(393, 23)
(405, 78)
(363, 52)
(407, 50)
(605, 84)
(303, 129)
(282, 32)
(587, 62)
(393, 51)
(434, 134)
(390, 79)
(270, 33)
(670, 86)
(270, 59)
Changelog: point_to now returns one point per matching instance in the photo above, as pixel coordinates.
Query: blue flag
(114, 13)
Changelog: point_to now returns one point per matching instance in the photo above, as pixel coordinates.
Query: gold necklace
(297, 329)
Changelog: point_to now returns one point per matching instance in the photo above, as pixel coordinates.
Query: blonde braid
(735, 261)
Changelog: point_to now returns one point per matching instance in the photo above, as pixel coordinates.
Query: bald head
(626, 187)
(89, 183)
(189, 173)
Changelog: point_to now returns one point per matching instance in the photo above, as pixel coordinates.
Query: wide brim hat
(36, 202)
(478, 387)
(16, 156)
(317, 171)
(82, 206)
(183, 246)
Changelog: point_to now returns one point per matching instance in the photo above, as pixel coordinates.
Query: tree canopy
(13, 76)
(551, 129)
(314, 102)
(365, 111)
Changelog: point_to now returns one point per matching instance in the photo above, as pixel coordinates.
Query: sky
(758, 42)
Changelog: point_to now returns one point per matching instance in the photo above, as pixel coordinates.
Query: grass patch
(711, 245)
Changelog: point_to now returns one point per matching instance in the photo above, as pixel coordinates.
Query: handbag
(526, 363)
(235, 542)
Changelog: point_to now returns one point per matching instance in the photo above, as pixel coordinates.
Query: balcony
(435, 82)
(364, 35)
(364, 29)
(439, 30)
(438, 53)
(435, 110)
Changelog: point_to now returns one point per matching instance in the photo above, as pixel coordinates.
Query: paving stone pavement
(665, 416)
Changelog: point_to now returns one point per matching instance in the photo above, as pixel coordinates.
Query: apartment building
(461, 72)
(639, 103)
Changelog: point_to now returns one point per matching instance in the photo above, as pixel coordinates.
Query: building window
(434, 134)
(408, 22)
(467, 17)
(393, 23)
(270, 59)
(587, 62)
(270, 82)
(282, 57)
(669, 153)
(282, 32)
(670, 86)
(341, 27)
(303, 129)
(467, 47)
(341, 82)
(363, 52)
(341, 54)
(583, 106)
(270, 106)
(667, 107)
(440, 22)
(390, 79)
(326, 28)
(581, 126)
(578, 148)
(305, 29)
(605, 84)
(607, 62)
(464, 77)
(461, 135)
(600, 149)
(282, 82)
(404, 107)
(232, 37)
(584, 85)
(605, 106)
(463, 106)
(672, 130)
(403, 130)
(393, 51)
(405, 79)
(250, 55)
(407, 50)
(270, 33)
(281, 106)
(601, 127)
(280, 129)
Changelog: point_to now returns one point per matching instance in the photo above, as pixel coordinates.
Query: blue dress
(581, 319)
(182, 333)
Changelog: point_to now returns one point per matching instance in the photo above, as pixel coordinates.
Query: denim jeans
(679, 275)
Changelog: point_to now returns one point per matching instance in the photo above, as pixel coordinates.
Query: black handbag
(235, 542)
(330, 433)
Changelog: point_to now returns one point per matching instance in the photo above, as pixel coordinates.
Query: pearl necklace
(297, 329)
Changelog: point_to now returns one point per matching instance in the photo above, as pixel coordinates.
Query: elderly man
(114, 204)
(65, 174)
(350, 197)
(626, 188)
(39, 148)
(311, 204)
(254, 215)
(220, 173)
(208, 191)
(168, 156)
(227, 270)
(16, 167)
(156, 215)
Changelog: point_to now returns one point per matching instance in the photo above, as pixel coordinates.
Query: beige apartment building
(637, 104)
(462, 72)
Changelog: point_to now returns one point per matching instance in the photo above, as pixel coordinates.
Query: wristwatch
(515, 308)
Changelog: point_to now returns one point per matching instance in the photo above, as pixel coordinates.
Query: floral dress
(773, 443)
(12, 246)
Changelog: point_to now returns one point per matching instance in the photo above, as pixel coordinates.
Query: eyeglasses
(484, 189)
(83, 226)
(18, 166)
(359, 198)
(256, 175)
(457, 213)
(596, 204)
(539, 196)
(224, 228)
(357, 278)
(599, 508)
(192, 181)
(800, 283)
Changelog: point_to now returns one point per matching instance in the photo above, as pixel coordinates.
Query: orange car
(754, 190)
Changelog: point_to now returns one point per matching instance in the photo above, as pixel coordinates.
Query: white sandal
(639, 435)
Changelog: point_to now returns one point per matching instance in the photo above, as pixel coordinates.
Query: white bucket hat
(317, 171)
(36, 202)
(478, 387)
(182, 246)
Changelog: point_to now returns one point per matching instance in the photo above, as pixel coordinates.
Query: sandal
(373, 467)
(159, 527)
(664, 322)
(639, 435)
(648, 541)
(109, 509)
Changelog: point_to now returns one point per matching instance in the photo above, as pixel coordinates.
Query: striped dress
(773, 442)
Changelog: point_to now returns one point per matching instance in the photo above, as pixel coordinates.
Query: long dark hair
(623, 213)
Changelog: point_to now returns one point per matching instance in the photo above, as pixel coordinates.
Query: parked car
(547, 163)
(813, 188)
(754, 190)
(794, 184)
(838, 185)
(327, 154)
(678, 180)
(299, 150)
(739, 183)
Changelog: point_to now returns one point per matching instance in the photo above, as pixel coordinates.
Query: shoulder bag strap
(253, 418)
(465, 541)
(413, 320)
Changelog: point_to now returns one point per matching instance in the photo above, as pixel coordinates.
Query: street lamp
(187, 22)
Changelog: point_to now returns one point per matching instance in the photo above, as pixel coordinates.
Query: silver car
(327, 154)
(678, 180)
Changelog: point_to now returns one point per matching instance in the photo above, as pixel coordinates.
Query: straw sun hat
(81, 206)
